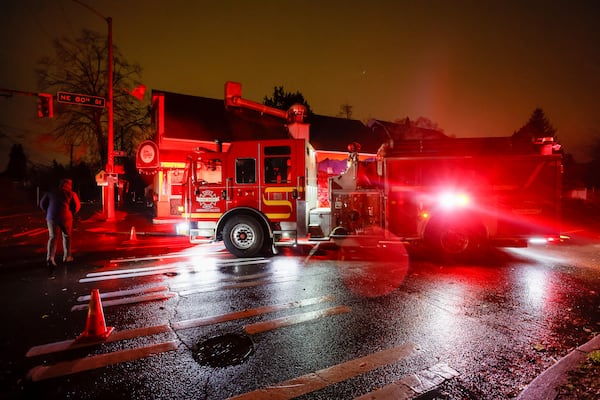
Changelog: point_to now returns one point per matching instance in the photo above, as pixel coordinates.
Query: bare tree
(345, 111)
(80, 66)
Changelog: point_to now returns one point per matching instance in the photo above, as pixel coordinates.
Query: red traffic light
(45, 106)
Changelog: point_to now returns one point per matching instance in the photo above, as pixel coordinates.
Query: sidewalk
(559, 382)
(93, 220)
(546, 386)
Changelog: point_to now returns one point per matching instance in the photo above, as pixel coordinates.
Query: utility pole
(109, 202)
(110, 207)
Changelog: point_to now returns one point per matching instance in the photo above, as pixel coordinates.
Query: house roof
(404, 130)
(199, 118)
(334, 134)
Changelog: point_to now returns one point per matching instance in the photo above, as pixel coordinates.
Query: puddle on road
(223, 351)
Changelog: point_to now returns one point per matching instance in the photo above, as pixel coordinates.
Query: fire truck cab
(253, 195)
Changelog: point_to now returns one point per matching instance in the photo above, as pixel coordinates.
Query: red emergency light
(452, 200)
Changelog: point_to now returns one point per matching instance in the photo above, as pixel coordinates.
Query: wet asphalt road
(324, 324)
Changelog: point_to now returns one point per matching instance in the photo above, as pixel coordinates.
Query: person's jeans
(54, 228)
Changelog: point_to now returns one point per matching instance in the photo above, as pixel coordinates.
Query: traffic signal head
(45, 106)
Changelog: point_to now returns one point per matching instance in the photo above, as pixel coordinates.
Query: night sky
(476, 68)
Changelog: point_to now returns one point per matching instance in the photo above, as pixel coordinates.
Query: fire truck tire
(455, 239)
(243, 236)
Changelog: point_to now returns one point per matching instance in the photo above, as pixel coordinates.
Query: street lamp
(110, 166)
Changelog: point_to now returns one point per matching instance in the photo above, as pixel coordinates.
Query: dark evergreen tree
(284, 100)
(592, 178)
(16, 169)
(538, 126)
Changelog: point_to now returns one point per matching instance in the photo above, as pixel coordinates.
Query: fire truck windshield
(208, 171)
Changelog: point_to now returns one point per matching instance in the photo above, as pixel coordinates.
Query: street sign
(102, 178)
(81, 99)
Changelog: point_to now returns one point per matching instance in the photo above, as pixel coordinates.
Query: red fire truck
(455, 195)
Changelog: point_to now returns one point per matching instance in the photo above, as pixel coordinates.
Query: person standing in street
(60, 206)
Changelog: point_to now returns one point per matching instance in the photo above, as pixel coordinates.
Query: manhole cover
(225, 350)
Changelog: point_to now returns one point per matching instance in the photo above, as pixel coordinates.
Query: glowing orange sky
(476, 68)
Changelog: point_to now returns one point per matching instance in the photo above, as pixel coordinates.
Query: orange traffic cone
(95, 327)
(132, 235)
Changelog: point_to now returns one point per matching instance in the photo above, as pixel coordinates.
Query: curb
(544, 386)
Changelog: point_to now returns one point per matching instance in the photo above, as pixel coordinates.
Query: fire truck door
(242, 190)
(208, 195)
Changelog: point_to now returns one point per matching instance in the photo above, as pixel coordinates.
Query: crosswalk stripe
(31, 232)
(197, 322)
(157, 270)
(129, 300)
(241, 285)
(265, 326)
(413, 385)
(129, 292)
(321, 379)
(132, 275)
(116, 336)
(42, 372)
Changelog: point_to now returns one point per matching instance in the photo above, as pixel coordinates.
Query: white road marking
(42, 372)
(121, 293)
(413, 385)
(129, 300)
(31, 232)
(159, 270)
(326, 377)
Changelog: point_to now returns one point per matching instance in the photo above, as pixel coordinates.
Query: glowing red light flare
(454, 200)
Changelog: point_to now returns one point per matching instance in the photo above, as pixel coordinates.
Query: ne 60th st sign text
(81, 99)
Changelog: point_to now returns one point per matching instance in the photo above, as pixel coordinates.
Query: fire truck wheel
(455, 239)
(243, 236)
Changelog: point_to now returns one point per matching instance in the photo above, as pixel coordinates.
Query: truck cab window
(245, 170)
(277, 164)
(277, 170)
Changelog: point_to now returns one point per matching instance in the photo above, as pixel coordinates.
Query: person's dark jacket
(61, 204)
